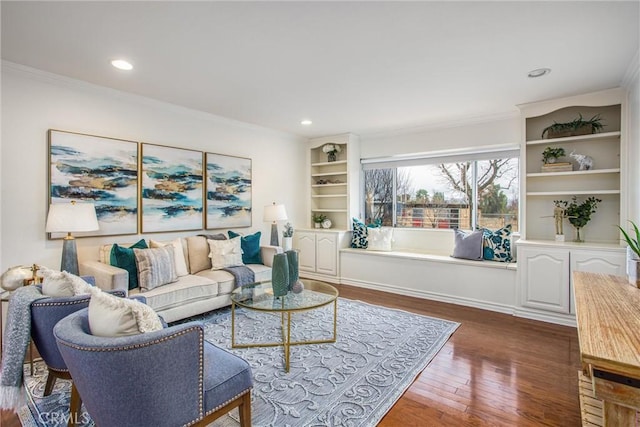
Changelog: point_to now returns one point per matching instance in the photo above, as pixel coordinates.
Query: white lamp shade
(71, 218)
(274, 213)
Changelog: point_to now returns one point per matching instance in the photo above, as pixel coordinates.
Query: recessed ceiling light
(306, 122)
(121, 64)
(538, 73)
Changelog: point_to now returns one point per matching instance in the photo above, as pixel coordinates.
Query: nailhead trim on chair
(131, 347)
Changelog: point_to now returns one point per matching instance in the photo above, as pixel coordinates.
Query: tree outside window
(442, 195)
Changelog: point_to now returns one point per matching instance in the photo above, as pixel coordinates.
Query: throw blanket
(243, 274)
(15, 343)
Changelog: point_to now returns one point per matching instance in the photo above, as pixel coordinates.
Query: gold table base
(286, 331)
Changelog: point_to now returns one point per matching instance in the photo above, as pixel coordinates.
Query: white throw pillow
(380, 239)
(111, 316)
(225, 253)
(178, 253)
(156, 267)
(63, 284)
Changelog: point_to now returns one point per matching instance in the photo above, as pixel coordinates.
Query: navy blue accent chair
(166, 378)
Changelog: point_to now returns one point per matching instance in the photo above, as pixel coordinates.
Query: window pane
(378, 193)
(441, 195)
(434, 196)
(498, 190)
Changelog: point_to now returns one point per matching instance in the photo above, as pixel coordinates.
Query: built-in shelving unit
(334, 184)
(604, 180)
(546, 266)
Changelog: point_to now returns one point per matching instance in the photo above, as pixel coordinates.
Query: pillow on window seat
(468, 245)
(497, 244)
(379, 239)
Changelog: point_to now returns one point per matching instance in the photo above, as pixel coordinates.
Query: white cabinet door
(544, 278)
(327, 253)
(306, 244)
(596, 262)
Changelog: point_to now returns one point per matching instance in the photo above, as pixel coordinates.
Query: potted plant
(579, 214)
(551, 155)
(577, 126)
(287, 237)
(633, 254)
(318, 219)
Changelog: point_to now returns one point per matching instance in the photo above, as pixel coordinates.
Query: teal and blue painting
(171, 189)
(100, 170)
(228, 191)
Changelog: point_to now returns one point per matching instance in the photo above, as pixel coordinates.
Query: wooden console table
(608, 317)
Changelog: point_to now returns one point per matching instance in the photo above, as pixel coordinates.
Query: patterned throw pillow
(156, 267)
(225, 253)
(359, 237)
(497, 244)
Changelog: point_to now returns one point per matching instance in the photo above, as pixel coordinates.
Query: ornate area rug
(354, 382)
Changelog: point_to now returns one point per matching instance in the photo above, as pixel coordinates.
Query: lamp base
(69, 257)
(274, 235)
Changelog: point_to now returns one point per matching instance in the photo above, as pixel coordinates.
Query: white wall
(500, 130)
(33, 102)
(633, 141)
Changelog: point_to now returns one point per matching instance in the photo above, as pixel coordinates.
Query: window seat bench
(422, 268)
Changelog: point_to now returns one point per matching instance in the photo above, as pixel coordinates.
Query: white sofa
(202, 290)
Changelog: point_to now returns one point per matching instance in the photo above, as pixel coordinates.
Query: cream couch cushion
(198, 250)
(225, 280)
(187, 289)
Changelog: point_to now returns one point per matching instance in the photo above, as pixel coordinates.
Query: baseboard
(468, 302)
(557, 318)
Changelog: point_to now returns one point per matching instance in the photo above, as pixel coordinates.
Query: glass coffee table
(259, 297)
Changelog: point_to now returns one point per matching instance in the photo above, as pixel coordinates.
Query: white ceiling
(361, 67)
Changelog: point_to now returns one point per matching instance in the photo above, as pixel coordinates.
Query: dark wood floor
(496, 370)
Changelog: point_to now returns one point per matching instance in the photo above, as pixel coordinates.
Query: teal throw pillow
(497, 244)
(250, 246)
(125, 258)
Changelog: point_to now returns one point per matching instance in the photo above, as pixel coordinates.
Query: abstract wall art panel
(172, 189)
(96, 169)
(228, 191)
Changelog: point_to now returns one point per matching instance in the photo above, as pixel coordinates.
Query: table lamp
(274, 213)
(71, 218)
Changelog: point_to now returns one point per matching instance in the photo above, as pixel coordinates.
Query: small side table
(4, 298)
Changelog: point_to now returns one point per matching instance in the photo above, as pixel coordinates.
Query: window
(443, 195)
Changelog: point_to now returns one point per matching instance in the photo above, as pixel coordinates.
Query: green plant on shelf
(577, 126)
(551, 154)
(318, 218)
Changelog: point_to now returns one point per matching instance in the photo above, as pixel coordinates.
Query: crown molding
(454, 123)
(59, 80)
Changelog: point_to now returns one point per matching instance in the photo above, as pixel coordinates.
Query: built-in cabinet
(334, 182)
(545, 266)
(545, 272)
(318, 253)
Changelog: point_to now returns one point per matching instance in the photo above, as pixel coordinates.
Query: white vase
(287, 243)
(633, 268)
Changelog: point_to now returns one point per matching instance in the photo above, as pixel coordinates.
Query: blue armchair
(45, 313)
(169, 378)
